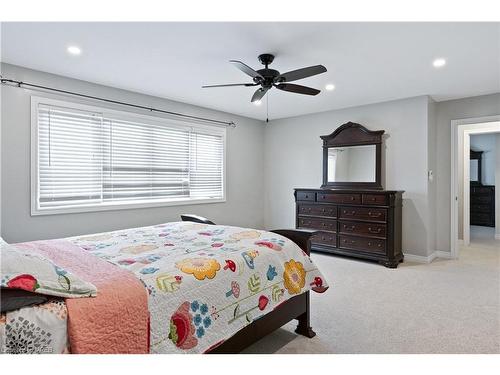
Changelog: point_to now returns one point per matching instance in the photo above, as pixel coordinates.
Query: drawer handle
(373, 199)
(307, 196)
(371, 230)
(351, 198)
(322, 210)
(350, 214)
(374, 214)
(352, 242)
(323, 197)
(351, 228)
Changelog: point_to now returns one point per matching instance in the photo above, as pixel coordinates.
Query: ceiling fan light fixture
(257, 102)
(330, 87)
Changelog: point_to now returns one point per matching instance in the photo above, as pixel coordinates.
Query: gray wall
(497, 188)
(245, 162)
(478, 106)
(418, 140)
(294, 159)
(0, 133)
(263, 161)
(431, 167)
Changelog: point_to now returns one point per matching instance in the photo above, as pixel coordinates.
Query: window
(88, 159)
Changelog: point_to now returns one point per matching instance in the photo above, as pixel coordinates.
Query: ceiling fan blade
(246, 69)
(259, 94)
(301, 73)
(230, 84)
(298, 89)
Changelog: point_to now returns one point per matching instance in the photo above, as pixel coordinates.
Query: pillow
(34, 273)
(13, 299)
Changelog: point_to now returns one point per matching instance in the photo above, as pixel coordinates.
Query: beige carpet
(448, 306)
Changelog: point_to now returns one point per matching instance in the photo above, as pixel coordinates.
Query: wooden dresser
(360, 223)
(482, 205)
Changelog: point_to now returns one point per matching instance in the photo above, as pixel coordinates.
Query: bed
(180, 287)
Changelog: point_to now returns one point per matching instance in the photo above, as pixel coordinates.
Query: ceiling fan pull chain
(267, 108)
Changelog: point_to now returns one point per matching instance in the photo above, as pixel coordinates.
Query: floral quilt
(206, 282)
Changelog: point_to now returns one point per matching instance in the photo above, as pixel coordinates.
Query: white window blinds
(88, 159)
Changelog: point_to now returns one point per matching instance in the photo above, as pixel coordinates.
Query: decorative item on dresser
(352, 213)
(482, 197)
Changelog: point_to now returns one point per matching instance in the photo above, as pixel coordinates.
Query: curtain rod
(21, 84)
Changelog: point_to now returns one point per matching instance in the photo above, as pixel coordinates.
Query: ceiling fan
(268, 78)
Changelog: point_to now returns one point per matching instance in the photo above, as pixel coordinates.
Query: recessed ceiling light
(439, 63)
(258, 102)
(330, 87)
(74, 50)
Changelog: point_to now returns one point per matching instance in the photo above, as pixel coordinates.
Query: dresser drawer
(484, 208)
(339, 198)
(483, 190)
(481, 199)
(362, 244)
(363, 229)
(318, 210)
(363, 213)
(480, 218)
(376, 199)
(306, 196)
(320, 224)
(324, 238)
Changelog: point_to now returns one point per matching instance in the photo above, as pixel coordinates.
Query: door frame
(460, 141)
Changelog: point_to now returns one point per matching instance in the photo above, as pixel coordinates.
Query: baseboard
(497, 236)
(443, 254)
(429, 258)
(420, 258)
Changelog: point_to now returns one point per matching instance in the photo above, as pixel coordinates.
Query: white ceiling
(367, 62)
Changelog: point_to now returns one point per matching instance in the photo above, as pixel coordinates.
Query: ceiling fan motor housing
(268, 74)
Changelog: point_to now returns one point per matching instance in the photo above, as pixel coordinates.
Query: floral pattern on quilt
(206, 282)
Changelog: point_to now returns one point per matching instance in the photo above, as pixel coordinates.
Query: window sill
(122, 206)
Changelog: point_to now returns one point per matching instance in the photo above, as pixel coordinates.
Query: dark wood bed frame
(297, 307)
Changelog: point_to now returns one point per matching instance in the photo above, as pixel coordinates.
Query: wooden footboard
(297, 307)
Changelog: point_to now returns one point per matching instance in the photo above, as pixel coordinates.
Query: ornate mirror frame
(352, 134)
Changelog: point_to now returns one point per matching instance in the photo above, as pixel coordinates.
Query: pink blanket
(117, 320)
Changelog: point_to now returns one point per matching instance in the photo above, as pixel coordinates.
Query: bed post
(302, 239)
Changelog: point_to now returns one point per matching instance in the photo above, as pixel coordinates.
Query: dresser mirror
(475, 167)
(352, 163)
(352, 158)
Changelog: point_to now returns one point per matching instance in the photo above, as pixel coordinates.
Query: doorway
(461, 133)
